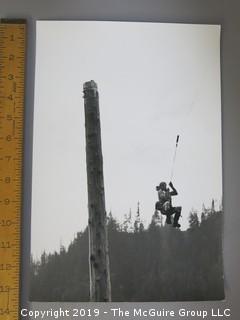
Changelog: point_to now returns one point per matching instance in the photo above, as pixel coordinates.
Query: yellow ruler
(12, 65)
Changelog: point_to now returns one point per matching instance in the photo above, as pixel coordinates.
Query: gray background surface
(221, 12)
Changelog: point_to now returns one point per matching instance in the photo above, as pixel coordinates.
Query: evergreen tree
(152, 264)
(193, 220)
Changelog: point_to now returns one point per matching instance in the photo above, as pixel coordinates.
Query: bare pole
(100, 285)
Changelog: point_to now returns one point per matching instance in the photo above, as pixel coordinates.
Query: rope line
(174, 158)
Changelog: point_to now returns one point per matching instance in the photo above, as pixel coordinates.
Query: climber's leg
(177, 211)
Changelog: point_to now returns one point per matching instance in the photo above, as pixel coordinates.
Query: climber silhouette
(164, 203)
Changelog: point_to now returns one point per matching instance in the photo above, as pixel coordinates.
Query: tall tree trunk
(100, 286)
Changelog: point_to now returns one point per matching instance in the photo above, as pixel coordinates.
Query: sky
(155, 81)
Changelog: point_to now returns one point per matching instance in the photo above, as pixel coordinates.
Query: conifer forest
(147, 263)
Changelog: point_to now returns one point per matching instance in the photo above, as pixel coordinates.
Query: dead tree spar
(100, 286)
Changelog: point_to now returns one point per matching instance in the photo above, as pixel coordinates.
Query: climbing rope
(174, 158)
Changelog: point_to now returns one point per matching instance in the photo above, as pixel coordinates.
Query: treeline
(157, 263)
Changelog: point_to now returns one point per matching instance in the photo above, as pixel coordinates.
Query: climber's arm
(174, 191)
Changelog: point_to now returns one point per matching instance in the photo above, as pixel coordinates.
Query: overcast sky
(155, 81)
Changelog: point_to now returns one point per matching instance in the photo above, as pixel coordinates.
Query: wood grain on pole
(100, 286)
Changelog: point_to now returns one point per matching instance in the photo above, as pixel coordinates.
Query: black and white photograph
(127, 163)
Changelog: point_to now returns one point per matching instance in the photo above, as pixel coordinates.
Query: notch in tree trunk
(100, 285)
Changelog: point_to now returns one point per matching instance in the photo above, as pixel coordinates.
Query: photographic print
(127, 163)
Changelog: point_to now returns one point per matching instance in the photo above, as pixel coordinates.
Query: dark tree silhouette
(157, 263)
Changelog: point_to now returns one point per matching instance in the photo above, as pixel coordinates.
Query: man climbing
(164, 205)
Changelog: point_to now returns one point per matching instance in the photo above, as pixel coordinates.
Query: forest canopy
(153, 263)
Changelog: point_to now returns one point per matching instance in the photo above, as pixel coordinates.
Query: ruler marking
(12, 64)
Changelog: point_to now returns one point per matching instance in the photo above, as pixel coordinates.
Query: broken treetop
(90, 85)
